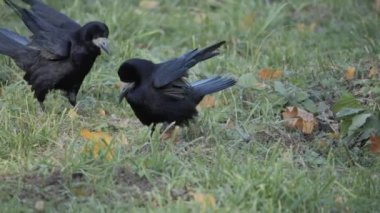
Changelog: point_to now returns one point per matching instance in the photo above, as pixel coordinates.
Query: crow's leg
(40, 95)
(72, 96)
(152, 129)
(42, 106)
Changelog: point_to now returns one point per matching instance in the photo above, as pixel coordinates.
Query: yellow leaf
(208, 102)
(100, 141)
(269, 74)
(149, 5)
(350, 73)
(73, 114)
(205, 200)
(299, 119)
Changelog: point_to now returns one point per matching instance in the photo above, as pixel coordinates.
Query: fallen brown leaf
(375, 144)
(269, 74)
(299, 119)
(205, 200)
(350, 73)
(207, 102)
(100, 141)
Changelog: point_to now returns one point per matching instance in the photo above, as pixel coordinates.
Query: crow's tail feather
(211, 85)
(197, 56)
(11, 43)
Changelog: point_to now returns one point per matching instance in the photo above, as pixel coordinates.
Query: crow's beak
(125, 91)
(102, 43)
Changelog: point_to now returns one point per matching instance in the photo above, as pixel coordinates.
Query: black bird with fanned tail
(60, 52)
(158, 93)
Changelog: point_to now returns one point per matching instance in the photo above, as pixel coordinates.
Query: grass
(256, 165)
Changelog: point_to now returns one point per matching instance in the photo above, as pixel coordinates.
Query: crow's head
(133, 72)
(95, 33)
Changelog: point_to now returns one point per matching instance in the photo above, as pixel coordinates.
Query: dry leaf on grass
(100, 142)
(350, 73)
(207, 102)
(207, 201)
(375, 144)
(299, 119)
(270, 74)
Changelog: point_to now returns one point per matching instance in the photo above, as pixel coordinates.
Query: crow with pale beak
(60, 52)
(159, 93)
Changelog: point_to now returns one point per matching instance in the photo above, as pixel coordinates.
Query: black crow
(159, 93)
(60, 52)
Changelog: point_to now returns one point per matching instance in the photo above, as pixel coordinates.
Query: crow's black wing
(52, 48)
(177, 89)
(52, 16)
(54, 43)
(176, 68)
